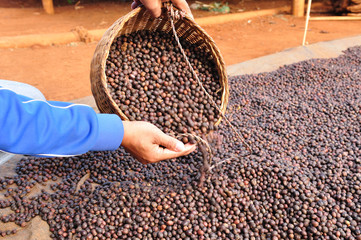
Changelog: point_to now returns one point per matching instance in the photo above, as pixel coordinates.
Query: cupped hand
(155, 6)
(148, 144)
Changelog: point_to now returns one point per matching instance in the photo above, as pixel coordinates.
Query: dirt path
(62, 72)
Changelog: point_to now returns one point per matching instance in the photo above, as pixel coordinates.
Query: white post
(307, 20)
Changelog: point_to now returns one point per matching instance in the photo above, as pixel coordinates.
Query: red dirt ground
(62, 72)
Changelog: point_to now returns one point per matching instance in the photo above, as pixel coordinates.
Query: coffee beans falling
(302, 182)
(149, 80)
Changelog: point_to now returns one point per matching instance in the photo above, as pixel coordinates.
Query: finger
(169, 142)
(154, 6)
(164, 153)
(183, 5)
(135, 4)
(142, 161)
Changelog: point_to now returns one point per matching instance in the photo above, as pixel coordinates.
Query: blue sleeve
(35, 127)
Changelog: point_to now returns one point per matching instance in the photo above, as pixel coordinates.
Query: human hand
(154, 6)
(148, 144)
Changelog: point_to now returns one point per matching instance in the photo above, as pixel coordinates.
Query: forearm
(41, 128)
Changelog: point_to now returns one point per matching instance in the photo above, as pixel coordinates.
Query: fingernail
(179, 147)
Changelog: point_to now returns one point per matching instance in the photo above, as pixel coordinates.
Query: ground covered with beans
(302, 180)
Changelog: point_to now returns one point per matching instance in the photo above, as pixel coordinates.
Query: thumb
(171, 143)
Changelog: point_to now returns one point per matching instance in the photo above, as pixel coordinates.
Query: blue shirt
(48, 128)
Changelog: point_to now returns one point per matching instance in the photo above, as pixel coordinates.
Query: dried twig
(207, 155)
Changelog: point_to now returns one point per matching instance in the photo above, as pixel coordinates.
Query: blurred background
(50, 43)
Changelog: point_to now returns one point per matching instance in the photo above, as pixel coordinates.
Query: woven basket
(140, 19)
